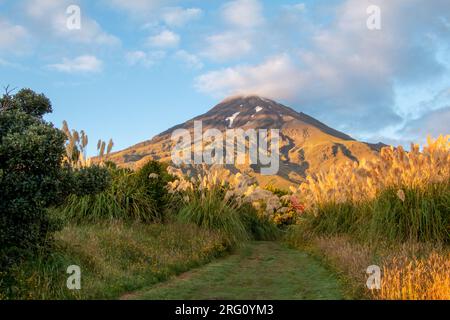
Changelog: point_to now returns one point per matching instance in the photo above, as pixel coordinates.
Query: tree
(31, 151)
(27, 101)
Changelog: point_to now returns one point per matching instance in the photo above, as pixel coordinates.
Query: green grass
(424, 216)
(209, 210)
(114, 258)
(259, 226)
(125, 199)
(258, 270)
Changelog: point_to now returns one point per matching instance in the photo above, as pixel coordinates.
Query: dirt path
(260, 270)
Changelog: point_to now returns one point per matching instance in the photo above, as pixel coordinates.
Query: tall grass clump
(216, 199)
(259, 226)
(211, 211)
(395, 215)
(416, 279)
(400, 196)
(124, 199)
(393, 212)
(418, 214)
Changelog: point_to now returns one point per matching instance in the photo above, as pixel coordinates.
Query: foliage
(239, 190)
(216, 198)
(115, 258)
(393, 212)
(402, 196)
(211, 211)
(259, 226)
(90, 180)
(395, 168)
(76, 148)
(153, 176)
(124, 199)
(31, 152)
(424, 278)
(26, 101)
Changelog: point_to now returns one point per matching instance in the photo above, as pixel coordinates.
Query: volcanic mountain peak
(260, 113)
(307, 145)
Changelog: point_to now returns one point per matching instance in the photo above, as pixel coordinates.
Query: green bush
(26, 101)
(90, 180)
(153, 177)
(31, 151)
(124, 199)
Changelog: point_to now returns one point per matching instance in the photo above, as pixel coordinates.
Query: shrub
(153, 176)
(31, 151)
(124, 199)
(26, 101)
(90, 180)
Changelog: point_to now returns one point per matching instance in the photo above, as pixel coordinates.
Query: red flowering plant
(290, 212)
(295, 203)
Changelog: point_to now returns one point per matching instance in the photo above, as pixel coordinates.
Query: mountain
(307, 146)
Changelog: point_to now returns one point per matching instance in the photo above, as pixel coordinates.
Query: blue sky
(138, 67)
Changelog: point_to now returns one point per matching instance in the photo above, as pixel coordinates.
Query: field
(393, 213)
(142, 234)
(115, 258)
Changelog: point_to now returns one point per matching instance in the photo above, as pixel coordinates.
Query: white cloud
(243, 13)
(190, 60)
(81, 64)
(240, 35)
(343, 67)
(227, 46)
(164, 39)
(177, 17)
(50, 16)
(432, 123)
(13, 37)
(277, 77)
(146, 59)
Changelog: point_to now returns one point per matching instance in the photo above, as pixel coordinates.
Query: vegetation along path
(258, 270)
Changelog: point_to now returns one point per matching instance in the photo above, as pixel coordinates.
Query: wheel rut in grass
(258, 270)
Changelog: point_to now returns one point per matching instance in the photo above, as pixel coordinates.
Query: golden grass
(365, 180)
(425, 278)
(410, 271)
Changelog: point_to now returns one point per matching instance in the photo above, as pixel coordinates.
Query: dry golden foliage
(364, 180)
(404, 275)
(239, 187)
(416, 279)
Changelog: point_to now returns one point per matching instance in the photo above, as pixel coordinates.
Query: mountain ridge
(307, 146)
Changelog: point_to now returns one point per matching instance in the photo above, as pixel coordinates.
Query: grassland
(393, 213)
(154, 224)
(258, 270)
(114, 257)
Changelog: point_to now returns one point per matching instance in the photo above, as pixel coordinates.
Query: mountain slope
(306, 147)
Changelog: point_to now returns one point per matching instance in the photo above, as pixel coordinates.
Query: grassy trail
(259, 270)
